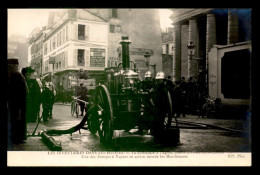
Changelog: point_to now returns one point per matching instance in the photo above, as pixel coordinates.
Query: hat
(13, 61)
(160, 75)
(29, 70)
(148, 74)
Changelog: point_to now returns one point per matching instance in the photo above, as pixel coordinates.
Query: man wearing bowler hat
(17, 91)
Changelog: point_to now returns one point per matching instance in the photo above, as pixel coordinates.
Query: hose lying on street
(206, 126)
(72, 129)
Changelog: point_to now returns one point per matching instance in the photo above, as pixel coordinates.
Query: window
(54, 43)
(167, 48)
(45, 49)
(58, 36)
(81, 32)
(118, 29)
(81, 60)
(112, 28)
(67, 36)
(63, 36)
(114, 13)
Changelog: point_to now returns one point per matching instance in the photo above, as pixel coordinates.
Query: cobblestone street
(191, 140)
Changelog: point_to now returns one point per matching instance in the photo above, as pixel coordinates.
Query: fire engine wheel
(105, 113)
(92, 122)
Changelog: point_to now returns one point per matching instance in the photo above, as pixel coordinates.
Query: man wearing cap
(17, 90)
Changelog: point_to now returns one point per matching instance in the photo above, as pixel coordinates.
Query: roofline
(95, 15)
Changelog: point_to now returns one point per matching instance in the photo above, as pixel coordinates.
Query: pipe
(74, 128)
(50, 142)
(125, 52)
(208, 126)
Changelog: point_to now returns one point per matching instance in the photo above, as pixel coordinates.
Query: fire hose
(197, 125)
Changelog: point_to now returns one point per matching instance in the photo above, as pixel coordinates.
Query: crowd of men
(25, 95)
(187, 97)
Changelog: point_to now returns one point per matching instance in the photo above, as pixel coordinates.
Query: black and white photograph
(129, 87)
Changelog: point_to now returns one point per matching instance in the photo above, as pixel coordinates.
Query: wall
(215, 57)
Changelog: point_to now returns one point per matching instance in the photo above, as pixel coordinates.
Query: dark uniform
(17, 91)
(161, 106)
(34, 100)
(47, 100)
(82, 93)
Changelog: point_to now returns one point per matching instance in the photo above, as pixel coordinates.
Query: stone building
(76, 39)
(167, 51)
(205, 28)
(35, 49)
(89, 39)
(17, 48)
(222, 39)
(143, 28)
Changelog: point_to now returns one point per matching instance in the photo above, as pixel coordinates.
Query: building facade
(35, 49)
(17, 48)
(167, 52)
(220, 37)
(78, 40)
(143, 28)
(89, 39)
(205, 28)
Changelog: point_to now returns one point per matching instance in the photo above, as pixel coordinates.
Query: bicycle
(75, 107)
(213, 107)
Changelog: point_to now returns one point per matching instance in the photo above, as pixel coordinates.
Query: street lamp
(147, 59)
(191, 50)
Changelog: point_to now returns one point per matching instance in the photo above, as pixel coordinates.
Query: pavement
(35, 143)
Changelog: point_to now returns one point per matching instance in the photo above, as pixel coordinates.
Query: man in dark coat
(161, 105)
(34, 96)
(17, 91)
(82, 93)
(47, 99)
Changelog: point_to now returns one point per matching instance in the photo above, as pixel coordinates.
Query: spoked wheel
(72, 108)
(93, 122)
(105, 112)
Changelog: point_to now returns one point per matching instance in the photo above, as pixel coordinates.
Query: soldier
(161, 104)
(148, 83)
(17, 91)
(145, 120)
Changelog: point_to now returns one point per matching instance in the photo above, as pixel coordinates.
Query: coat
(17, 92)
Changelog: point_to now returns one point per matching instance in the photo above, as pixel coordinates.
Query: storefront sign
(97, 57)
(113, 62)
